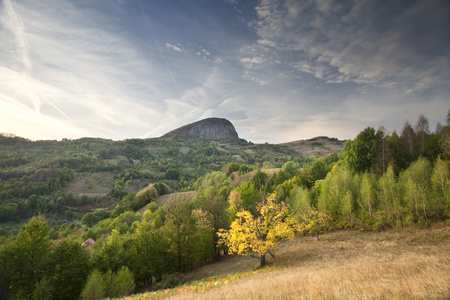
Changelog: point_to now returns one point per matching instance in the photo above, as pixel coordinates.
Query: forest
(248, 199)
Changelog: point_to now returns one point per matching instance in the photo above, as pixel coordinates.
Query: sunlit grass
(396, 264)
(198, 286)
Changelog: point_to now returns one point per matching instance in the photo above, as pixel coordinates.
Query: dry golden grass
(407, 264)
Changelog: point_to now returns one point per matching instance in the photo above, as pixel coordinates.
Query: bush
(171, 281)
(123, 283)
(110, 284)
(162, 188)
(95, 287)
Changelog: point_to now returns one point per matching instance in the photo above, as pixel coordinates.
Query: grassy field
(395, 264)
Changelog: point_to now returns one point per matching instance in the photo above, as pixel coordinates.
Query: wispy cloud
(175, 48)
(362, 42)
(279, 70)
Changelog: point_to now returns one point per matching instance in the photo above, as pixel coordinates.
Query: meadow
(395, 264)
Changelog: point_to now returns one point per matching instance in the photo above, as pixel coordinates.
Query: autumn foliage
(259, 234)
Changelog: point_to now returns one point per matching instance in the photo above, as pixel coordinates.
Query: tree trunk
(262, 260)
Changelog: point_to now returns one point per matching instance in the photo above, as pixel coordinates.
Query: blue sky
(278, 70)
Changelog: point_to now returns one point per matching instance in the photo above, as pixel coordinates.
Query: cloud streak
(397, 44)
(279, 70)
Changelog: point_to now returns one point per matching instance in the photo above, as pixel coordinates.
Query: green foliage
(172, 174)
(44, 290)
(67, 268)
(150, 249)
(23, 260)
(95, 287)
(359, 155)
(379, 181)
(179, 227)
(162, 188)
(367, 200)
(313, 221)
(92, 218)
(243, 169)
(260, 181)
(170, 281)
(440, 179)
(233, 167)
(211, 202)
(243, 197)
(120, 284)
(112, 253)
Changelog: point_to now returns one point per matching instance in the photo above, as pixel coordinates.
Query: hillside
(69, 178)
(394, 264)
(315, 147)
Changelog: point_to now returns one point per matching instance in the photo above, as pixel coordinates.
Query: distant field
(91, 184)
(319, 146)
(406, 264)
(163, 199)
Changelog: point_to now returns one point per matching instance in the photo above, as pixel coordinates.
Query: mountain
(211, 128)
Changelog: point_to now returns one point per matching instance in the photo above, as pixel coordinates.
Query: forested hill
(71, 177)
(98, 230)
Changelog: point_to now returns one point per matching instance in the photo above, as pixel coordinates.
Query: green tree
(180, 228)
(213, 202)
(123, 283)
(23, 260)
(409, 139)
(359, 154)
(444, 143)
(113, 253)
(67, 269)
(422, 130)
(232, 167)
(312, 220)
(260, 182)
(243, 197)
(440, 177)
(150, 250)
(367, 198)
(416, 184)
(401, 157)
(348, 207)
(383, 155)
(333, 188)
(162, 188)
(388, 194)
(95, 288)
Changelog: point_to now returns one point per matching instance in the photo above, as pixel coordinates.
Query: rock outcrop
(211, 128)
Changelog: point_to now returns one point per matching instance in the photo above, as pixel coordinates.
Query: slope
(395, 264)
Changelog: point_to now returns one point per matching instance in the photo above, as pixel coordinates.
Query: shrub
(123, 283)
(95, 287)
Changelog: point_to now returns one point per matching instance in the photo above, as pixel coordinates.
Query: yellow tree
(257, 235)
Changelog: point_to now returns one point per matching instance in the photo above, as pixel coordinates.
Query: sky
(280, 71)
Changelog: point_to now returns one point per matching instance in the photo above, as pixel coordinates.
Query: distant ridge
(211, 128)
(318, 146)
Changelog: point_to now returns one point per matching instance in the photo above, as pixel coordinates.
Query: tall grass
(408, 264)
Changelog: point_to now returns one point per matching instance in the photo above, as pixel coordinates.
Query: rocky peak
(211, 128)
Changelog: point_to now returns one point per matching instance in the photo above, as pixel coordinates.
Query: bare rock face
(211, 128)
